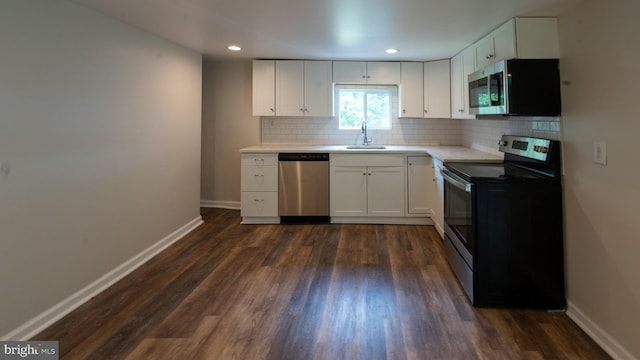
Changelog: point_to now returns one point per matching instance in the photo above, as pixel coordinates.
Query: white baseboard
(599, 335)
(232, 205)
(47, 318)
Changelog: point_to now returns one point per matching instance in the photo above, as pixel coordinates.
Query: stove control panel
(529, 147)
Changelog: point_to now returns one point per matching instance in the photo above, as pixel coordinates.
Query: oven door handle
(456, 180)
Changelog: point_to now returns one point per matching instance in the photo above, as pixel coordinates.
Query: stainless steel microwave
(516, 87)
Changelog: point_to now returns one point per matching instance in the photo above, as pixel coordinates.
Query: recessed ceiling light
(234, 48)
(391, 51)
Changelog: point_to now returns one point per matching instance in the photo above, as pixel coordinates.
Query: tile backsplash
(481, 134)
(324, 131)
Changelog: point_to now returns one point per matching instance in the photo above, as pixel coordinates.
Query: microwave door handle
(455, 181)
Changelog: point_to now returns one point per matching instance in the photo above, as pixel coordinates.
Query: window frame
(387, 90)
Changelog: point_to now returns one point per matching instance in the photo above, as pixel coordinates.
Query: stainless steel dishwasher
(303, 187)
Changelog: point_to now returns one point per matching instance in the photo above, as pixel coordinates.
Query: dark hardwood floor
(325, 291)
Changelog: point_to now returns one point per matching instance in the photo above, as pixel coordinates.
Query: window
(358, 103)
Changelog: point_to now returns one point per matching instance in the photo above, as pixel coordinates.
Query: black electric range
(503, 225)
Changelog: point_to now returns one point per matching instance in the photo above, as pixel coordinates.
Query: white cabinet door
(461, 66)
(263, 90)
(411, 90)
(385, 187)
(421, 183)
(318, 88)
(537, 38)
(437, 89)
(504, 41)
(383, 72)
(483, 52)
(255, 178)
(348, 191)
(289, 88)
(524, 38)
(438, 210)
(360, 72)
(498, 45)
(456, 86)
(259, 204)
(352, 72)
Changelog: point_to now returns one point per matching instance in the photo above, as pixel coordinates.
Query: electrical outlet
(600, 153)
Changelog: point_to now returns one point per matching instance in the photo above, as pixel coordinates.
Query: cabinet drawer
(367, 160)
(259, 160)
(259, 203)
(259, 178)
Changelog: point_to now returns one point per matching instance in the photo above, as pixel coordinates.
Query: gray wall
(99, 146)
(227, 126)
(599, 60)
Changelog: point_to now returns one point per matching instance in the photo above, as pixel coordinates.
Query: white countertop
(443, 153)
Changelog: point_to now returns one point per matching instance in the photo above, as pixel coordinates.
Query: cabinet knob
(426, 111)
(272, 109)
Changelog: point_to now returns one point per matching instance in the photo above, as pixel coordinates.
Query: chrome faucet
(363, 129)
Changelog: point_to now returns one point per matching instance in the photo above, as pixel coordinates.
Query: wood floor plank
(306, 291)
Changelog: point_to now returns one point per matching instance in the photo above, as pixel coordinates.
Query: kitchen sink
(366, 147)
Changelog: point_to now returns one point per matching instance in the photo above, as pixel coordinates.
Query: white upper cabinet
(425, 90)
(461, 66)
(411, 89)
(437, 89)
(500, 44)
(383, 72)
(289, 88)
(350, 72)
(318, 87)
(524, 38)
(504, 42)
(263, 90)
(292, 88)
(537, 38)
(303, 88)
(360, 72)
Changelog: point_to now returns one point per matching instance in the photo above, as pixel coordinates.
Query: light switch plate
(600, 152)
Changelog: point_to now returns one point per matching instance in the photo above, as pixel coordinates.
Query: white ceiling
(324, 29)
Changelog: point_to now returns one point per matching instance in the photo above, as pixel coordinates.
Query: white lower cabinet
(385, 191)
(348, 191)
(367, 186)
(259, 204)
(421, 184)
(438, 210)
(259, 188)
